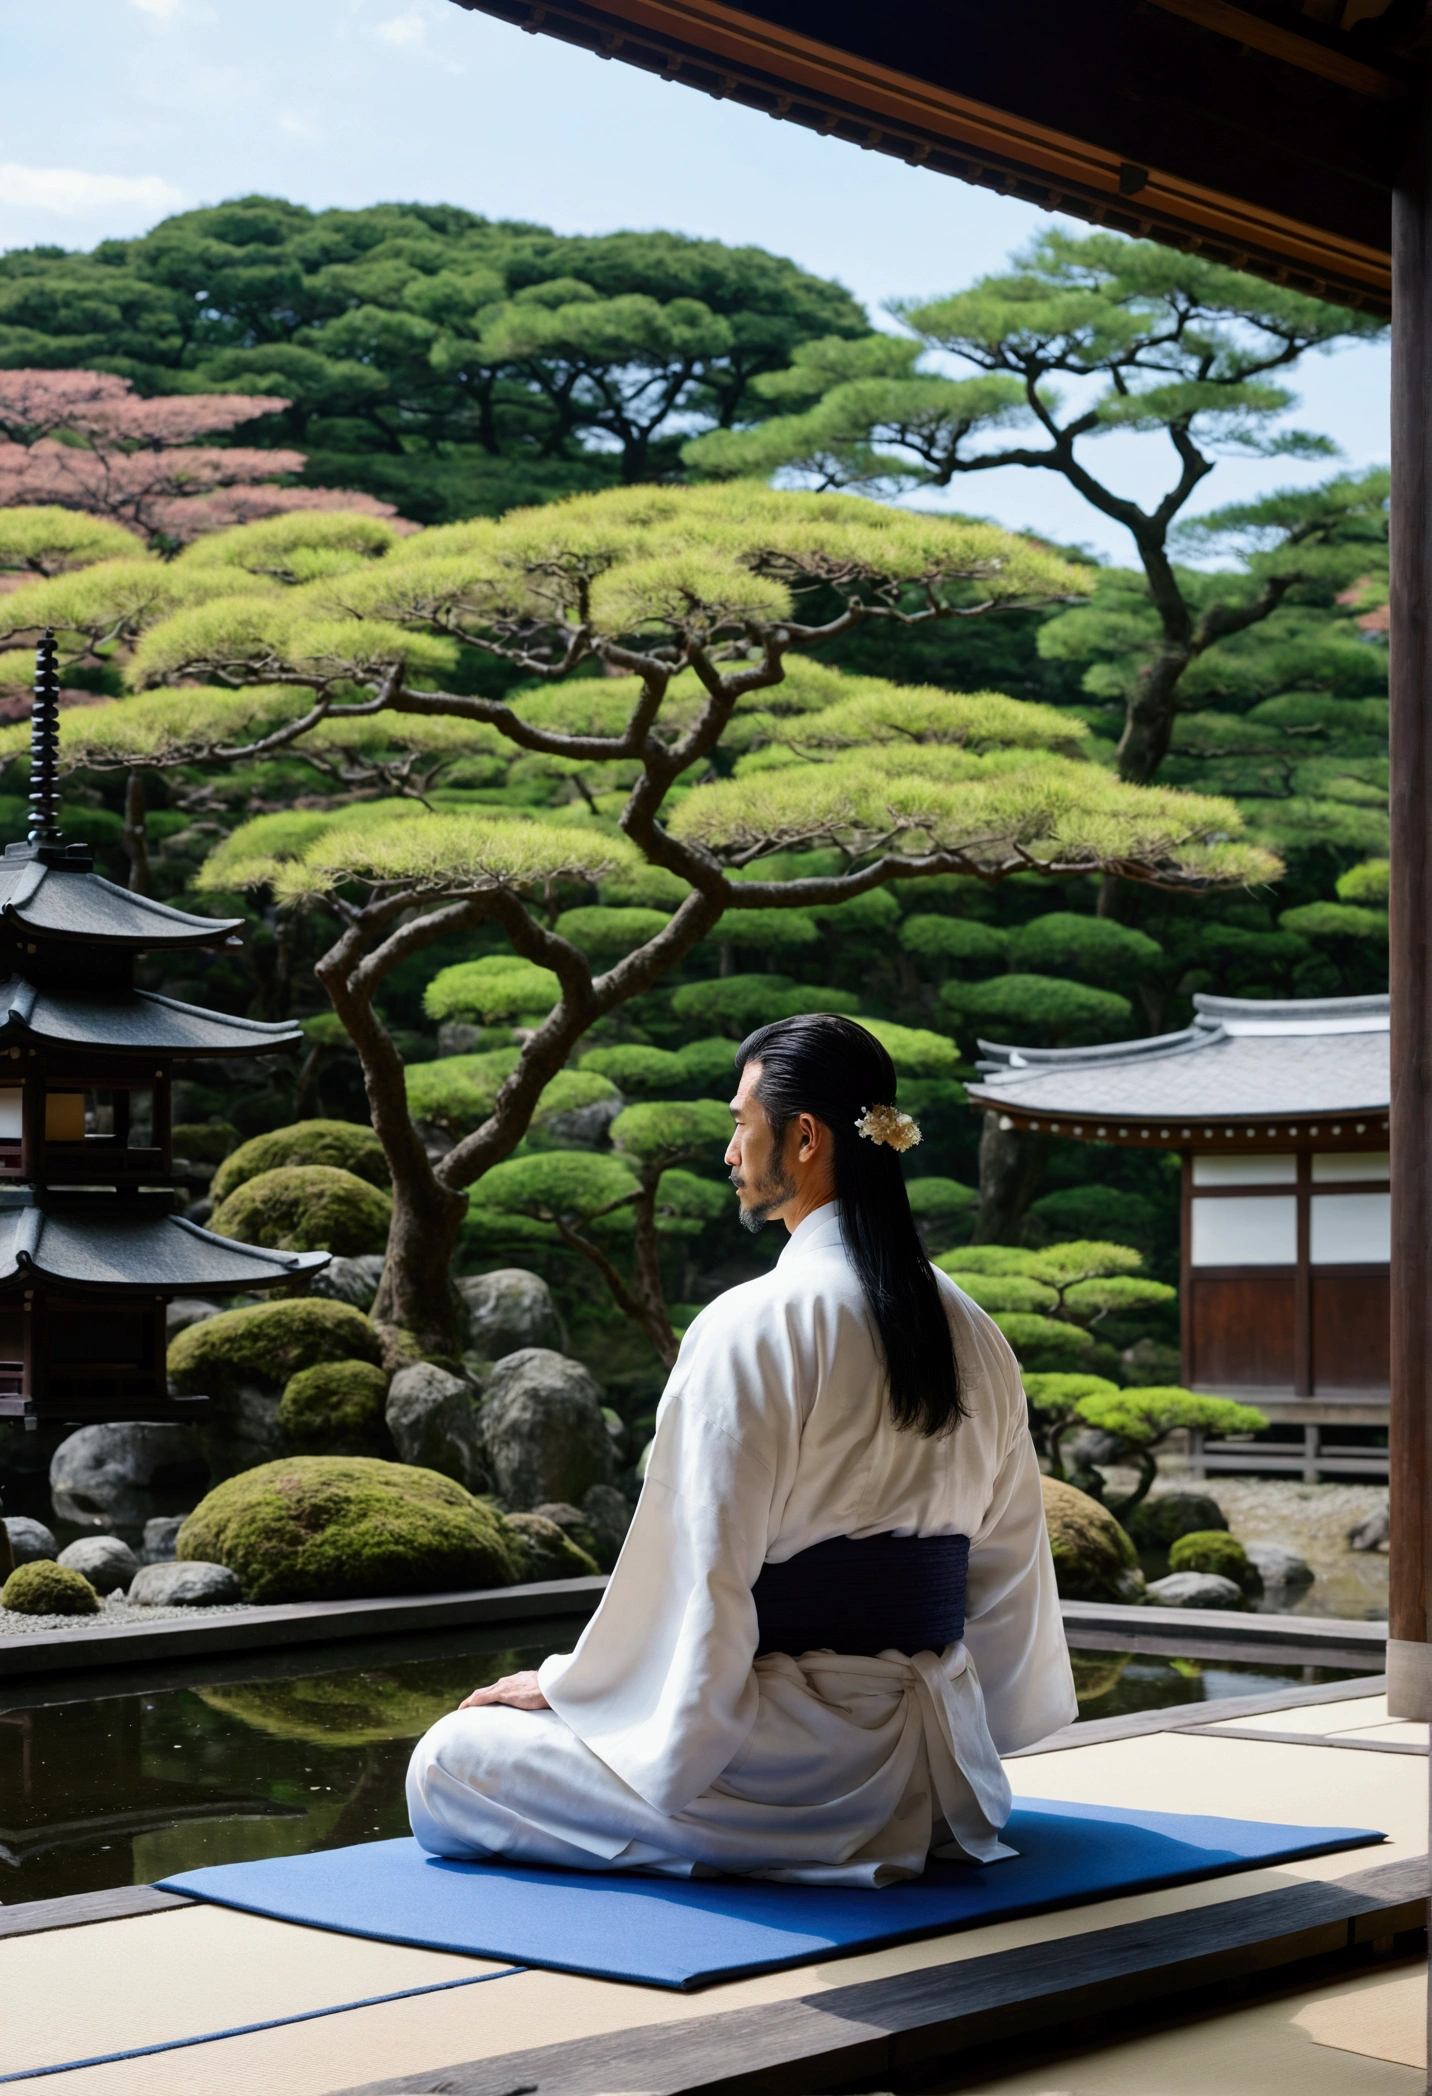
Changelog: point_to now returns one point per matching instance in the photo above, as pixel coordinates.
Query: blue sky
(118, 112)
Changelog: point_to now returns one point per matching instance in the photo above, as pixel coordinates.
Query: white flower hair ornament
(886, 1124)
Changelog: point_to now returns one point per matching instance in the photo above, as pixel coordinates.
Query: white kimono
(668, 1745)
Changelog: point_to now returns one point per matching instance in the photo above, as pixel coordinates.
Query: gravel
(1314, 1521)
(112, 1612)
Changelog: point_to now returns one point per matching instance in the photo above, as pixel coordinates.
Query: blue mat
(689, 1933)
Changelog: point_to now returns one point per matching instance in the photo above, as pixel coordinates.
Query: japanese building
(91, 1246)
(1279, 1112)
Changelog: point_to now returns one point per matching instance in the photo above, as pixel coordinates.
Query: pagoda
(92, 1248)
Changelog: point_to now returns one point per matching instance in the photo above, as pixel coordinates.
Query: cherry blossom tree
(84, 440)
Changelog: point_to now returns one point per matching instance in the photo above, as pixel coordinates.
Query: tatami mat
(1275, 2049)
(1312, 1718)
(1383, 2019)
(118, 1984)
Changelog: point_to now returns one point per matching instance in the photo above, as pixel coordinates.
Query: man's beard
(772, 1192)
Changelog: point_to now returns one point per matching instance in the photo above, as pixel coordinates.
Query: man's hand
(520, 1691)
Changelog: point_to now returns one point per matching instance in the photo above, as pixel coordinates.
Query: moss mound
(547, 1551)
(340, 1143)
(339, 1528)
(307, 1208)
(267, 1343)
(336, 1409)
(1093, 1558)
(1214, 1550)
(44, 1588)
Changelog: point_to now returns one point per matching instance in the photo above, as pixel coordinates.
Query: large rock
(185, 1311)
(107, 1563)
(1279, 1567)
(609, 1517)
(508, 1310)
(598, 1526)
(192, 1585)
(543, 1430)
(1373, 1533)
(434, 1424)
(160, 1536)
(29, 1540)
(336, 1528)
(582, 1127)
(1194, 1590)
(1094, 1559)
(112, 1473)
(352, 1281)
(549, 1551)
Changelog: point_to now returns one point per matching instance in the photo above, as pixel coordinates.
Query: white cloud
(403, 29)
(73, 193)
(296, 126)
(164, 9)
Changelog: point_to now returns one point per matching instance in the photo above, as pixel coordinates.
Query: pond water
(118, 1780)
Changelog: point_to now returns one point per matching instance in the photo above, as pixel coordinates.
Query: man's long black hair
(832, 1068)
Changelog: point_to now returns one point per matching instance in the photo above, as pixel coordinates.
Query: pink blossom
(137, 461)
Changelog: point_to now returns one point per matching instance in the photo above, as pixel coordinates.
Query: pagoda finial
(45, 745)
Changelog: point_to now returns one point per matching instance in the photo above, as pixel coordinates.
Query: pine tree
(711, 751)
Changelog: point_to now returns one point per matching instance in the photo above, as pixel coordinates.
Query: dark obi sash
(865, 1596)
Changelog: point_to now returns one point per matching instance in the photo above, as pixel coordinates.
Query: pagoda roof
(66, 902)
(138, 1021)
(1242, 1061)
(93, 1245)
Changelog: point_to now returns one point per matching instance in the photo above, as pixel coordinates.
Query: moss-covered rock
(267, 1343)
(336, 1409)
(549, 1552)
(1094, 1560)
(338, 1528)
(307, 1208)
(1157, 1523)
(343, 1144)
(1214, 1550)
(44, 1588)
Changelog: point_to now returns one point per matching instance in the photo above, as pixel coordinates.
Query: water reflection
(1115, 1684)
(103, 1789)
(286, 1753)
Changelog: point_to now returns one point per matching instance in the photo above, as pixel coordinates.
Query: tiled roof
(1242, 1059)
(61, 902)
(91, 1245)
(137, 1020)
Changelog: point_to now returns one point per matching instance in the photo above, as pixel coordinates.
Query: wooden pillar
(1409, 1650)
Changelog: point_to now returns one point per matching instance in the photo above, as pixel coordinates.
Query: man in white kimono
(836, 1602)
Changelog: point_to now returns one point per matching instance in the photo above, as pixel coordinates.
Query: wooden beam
(884, 2026)
(1409, 1653)
(738, 55)
(1284, 44)
(79, 1910)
